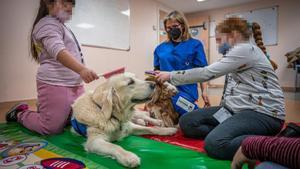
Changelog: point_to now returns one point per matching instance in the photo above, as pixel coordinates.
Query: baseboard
(16, 101)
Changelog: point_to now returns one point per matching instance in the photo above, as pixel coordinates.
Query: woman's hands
(205, 99)
(88, 75)
(240, 159)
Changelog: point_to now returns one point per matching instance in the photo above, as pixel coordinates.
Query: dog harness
(81, 128)
(183, 103)
(78, 127)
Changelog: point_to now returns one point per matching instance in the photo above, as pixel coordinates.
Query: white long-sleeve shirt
(252, 83)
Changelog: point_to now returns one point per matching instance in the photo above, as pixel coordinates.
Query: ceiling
(189, 6)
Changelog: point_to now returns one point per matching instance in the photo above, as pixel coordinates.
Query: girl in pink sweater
(61, 72)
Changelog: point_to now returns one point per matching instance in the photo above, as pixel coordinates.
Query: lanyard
(77, 43)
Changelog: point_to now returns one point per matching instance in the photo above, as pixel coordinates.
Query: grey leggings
(223, 140)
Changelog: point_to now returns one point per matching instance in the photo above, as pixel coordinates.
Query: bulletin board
(267, 18)
(102, 23)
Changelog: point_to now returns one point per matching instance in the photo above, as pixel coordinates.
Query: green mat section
(153, 154)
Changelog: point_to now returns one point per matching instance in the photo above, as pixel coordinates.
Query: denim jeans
(270, 165)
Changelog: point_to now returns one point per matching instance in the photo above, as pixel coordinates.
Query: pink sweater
(280, 150)
(52, 36)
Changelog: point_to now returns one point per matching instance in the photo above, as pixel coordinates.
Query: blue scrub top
(185, 55)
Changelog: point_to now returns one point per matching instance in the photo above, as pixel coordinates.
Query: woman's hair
(246, 30)
(43, 11)
(179, 17)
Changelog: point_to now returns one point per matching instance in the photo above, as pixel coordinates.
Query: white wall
(288, 34)
(17, 70)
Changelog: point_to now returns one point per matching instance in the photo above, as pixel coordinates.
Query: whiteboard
(102, 23)
(267, 19)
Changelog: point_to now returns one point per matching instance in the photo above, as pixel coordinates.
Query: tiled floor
(292, 101)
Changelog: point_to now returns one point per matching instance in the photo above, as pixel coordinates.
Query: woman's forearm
(191, 76)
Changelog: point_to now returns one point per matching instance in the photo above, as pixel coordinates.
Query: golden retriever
(107, 113)
(160, 106)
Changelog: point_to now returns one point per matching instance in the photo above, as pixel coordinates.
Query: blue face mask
(224, 48)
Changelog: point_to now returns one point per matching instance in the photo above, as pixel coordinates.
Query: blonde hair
(180, 18)
(246, 30)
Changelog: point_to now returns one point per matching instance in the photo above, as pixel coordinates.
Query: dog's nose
(152, 85)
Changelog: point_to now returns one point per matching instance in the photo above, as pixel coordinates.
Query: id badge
(185, 104)
(222, 114)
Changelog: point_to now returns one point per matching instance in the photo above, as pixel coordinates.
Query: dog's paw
(155, 122)
(129, 159)
(141, 122)
(166, 131)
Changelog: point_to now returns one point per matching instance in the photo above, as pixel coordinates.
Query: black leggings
(223, 140)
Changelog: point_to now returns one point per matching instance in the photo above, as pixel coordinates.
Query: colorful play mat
(22, 149)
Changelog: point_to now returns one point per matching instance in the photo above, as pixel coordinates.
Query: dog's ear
(116, 104)
(169, 90)
(108, 100)
(156, 94)
(158, 89)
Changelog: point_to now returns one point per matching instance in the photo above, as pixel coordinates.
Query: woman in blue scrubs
(181, 52)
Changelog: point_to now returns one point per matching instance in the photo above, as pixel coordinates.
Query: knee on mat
(185, 126)
(52, 129)
(189, 130)
(215, 148)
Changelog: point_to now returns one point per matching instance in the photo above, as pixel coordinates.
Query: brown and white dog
(160, 106)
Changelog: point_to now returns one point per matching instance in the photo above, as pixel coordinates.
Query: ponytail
(43, 11)
(257, 35)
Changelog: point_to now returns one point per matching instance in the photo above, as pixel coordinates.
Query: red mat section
(179, 140)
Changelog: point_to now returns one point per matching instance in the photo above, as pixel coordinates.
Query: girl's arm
(50, 34)
(65, 58)
(239, 58)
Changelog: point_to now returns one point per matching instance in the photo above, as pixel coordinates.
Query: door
(161, 31)
(199, 30)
